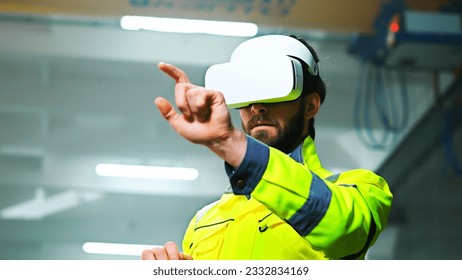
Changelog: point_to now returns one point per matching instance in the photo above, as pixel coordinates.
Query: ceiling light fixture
(115, 248)
(41, 206)
(176, 25)
(146, 172)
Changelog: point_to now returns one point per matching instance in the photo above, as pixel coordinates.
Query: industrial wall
(426, 175)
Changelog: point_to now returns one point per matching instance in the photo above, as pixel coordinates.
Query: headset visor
(256, 80)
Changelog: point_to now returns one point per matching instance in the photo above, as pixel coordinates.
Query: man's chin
(270, 130)
(263, 135)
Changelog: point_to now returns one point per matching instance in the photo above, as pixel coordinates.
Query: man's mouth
(263, 123)
(259, 121)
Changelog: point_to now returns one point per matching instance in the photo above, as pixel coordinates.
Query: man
(281, 203)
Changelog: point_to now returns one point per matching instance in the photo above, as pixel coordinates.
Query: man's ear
(312, 104)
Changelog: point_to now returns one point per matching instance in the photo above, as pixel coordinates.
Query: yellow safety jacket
(281, 206)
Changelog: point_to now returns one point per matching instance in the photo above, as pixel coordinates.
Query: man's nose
(258, 108)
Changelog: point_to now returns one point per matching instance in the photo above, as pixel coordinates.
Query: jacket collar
(305, 153)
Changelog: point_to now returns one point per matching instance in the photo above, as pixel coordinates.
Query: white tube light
(115, 248)
(146, 172)
(41, 206)
(225, 28)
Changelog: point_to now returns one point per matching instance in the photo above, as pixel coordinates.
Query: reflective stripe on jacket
(289, 207)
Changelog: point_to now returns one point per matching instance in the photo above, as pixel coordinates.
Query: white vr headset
(262, 70)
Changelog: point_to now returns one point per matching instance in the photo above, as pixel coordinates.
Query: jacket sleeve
(341, 216)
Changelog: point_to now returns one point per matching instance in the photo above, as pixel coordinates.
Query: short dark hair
(311, 83)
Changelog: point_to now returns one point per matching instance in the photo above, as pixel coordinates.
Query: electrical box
(424, 40)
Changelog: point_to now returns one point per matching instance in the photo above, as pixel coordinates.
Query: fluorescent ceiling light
(41, 206)
(146, 172)
(226, 28)
(115, 248)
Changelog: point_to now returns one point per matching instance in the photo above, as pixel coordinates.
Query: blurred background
(77, 84)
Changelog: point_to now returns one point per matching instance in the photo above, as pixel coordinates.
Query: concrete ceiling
(326, 15)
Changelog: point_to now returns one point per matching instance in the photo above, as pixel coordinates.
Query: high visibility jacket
(281, 206)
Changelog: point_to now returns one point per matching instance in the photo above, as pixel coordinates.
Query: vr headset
(262, 70)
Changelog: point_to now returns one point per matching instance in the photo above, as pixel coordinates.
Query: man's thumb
(165, 108)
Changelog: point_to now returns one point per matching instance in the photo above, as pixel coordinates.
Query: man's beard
(286, 138)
